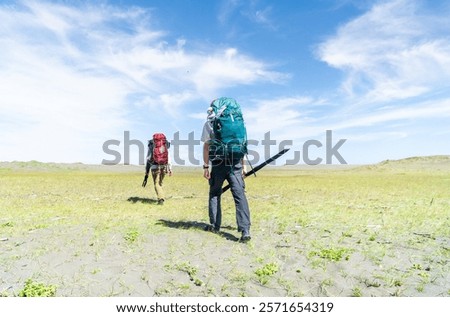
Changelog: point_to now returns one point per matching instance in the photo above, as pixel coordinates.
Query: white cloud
(227, 8)
(286, 118)
(419, 111)
(394, 51)
(251, 10)
(229, 68)
(71, 75)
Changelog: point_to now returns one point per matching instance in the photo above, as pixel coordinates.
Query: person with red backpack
(158, 163)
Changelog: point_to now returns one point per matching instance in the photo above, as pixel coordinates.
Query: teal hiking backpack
(230, 135)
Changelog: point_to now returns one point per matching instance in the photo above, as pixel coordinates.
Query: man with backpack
(158, 163)
(225, 144)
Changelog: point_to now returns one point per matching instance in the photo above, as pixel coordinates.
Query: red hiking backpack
(160, 153)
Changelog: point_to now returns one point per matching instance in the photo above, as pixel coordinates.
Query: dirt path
(187, 261)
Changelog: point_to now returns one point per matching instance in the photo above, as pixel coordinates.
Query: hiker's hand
(206, 173)
(145, 180)
(170, 172)
(244, 172)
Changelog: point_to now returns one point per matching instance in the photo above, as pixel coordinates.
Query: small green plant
(331, 254)
(327, 282)
(33, 289)
(238, 277)
(424, 275)
(281, 228)
(372, 283)
(420, 288)
(396, 282)
(188, 268)
(198, 282)
(191, 271)
(265, 272)
(347, 235)
(416, 266)
(131, 236)
(356, 292)
(323, 286)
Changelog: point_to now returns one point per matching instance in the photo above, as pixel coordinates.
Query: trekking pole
(257, 168)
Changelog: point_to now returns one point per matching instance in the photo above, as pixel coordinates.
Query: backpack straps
(221, 110)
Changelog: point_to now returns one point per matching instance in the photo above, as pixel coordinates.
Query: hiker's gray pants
(233, 174)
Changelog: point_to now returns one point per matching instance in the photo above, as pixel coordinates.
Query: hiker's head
(210, 110)
(210, 114)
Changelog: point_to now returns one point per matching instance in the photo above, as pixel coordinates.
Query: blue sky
(75, 74)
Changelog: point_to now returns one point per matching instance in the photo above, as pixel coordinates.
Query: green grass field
(380, 230)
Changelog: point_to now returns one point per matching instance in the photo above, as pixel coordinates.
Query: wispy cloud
(229, 68)
(417, 111)
(394, 51)
(253, 12)
(262, 16)
(286, 118)
(227, 9)
(75, 75)
(396, 64)
(69, 74)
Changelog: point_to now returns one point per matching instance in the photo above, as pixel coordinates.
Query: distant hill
(40, 166)
(428, 163)
(417, 163)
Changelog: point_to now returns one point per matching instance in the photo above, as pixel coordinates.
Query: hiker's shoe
(245, 236)
(161, 201)
(211, 228)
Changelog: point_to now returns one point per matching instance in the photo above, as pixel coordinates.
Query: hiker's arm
(206, 160)
(147, 169)
(148, 164)
(169, 166)
(244, 167)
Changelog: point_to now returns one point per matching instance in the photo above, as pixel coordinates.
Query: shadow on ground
(187, 225)
(142, 200)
